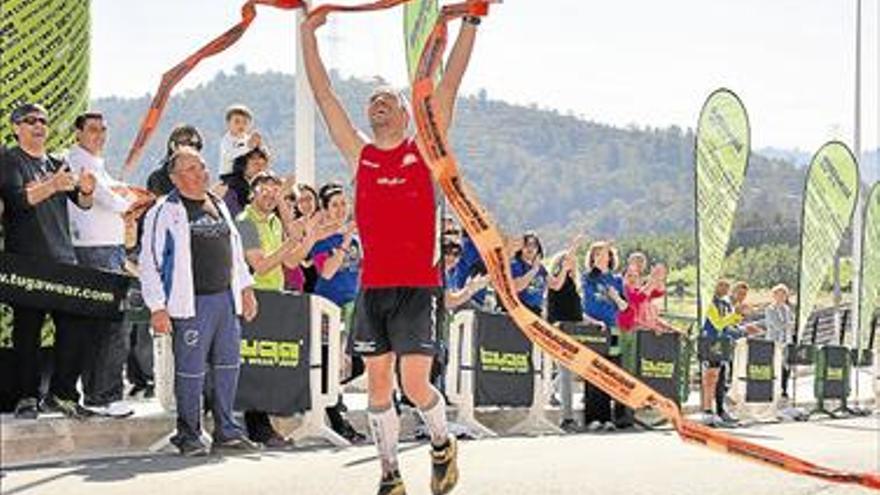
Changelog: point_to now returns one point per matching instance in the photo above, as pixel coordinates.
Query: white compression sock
(385, 426)
(435, 418)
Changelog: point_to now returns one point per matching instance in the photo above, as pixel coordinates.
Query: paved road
(608, 464)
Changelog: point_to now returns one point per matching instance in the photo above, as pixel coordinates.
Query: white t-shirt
(102, 224)
(231, 147)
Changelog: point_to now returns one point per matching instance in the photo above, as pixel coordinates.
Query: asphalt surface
(612, 463)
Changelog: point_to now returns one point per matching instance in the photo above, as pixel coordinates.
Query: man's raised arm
(457, 63)
(342, 131)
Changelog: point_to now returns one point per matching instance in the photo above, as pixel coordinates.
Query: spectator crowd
(202, 237)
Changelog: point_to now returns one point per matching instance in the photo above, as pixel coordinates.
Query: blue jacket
(596, 302)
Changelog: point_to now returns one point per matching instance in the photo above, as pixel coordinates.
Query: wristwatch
(472, 19)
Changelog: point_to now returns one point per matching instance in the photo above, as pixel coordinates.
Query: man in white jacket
(196, 283)
(98, 236)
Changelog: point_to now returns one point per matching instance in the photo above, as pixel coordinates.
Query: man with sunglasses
(35, 192)
(397, 217)
(159, 181)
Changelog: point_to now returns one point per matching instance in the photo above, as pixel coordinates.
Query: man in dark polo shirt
(196, 282)
(35, 190)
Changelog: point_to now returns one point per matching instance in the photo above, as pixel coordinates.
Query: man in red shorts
(400, 298)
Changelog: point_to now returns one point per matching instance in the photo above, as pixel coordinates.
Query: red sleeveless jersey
(396, 210)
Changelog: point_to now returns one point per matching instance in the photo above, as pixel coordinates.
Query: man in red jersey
(400, 298)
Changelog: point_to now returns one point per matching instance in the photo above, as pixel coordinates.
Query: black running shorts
(403, 320)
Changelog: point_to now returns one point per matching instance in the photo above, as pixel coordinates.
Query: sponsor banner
(419, 18)
(594, 336)
(800, 354)
(656, 363)
(829, 201)
(869, 300)
(721, 158)
(37, 283)
(832, 373)
(274, 373)
(715, 350)
(504, 375)
(759, 371)
(45, 47)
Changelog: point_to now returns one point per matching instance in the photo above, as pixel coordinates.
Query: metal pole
(857, 218)
(304, 131)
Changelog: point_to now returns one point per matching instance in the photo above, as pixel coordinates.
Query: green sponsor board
(721, 156)
(759, 372)
(829, 202)
(45, 51)
(264, 352)
(504, 362)
(870, 293)
(419, 17)
(657, 369)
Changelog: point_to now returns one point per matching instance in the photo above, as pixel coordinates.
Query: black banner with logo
(800, 354)
(760, 378)
(657, 359)
(38, 283)
(714, 350)
(589, 334)
(275, 356)
(503, 374)
(832, 372)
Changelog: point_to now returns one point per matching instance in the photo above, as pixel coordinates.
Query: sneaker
(190, 447)
(392, 484)
(444, 474)
(569, 425)
(135, 390)
(27, 409)
(609, 426)
(237, 444)
(149, 392)
(349, 433)
(277, 442)
(118, 409)
(68, 408)
(710, 419)
(594, 426)
(727, 419)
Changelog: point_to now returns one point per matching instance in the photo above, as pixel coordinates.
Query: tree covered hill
(534, 168)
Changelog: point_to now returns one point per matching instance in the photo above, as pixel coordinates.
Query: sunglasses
(195, 143)
(32, 120)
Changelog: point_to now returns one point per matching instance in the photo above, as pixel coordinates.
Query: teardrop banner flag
(419, 18)
(721, 159)
(45, 60)
(829, 202)
(869, 301)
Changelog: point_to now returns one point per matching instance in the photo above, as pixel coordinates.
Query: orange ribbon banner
(477, 222)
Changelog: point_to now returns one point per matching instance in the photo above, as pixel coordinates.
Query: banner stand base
(535, 424)
(465, 416)
(313, 427)
(820, 410)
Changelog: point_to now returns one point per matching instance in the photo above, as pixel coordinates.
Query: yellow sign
(270, 353)
(505, 362)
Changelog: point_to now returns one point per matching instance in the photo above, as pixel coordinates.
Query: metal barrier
(461, 380)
